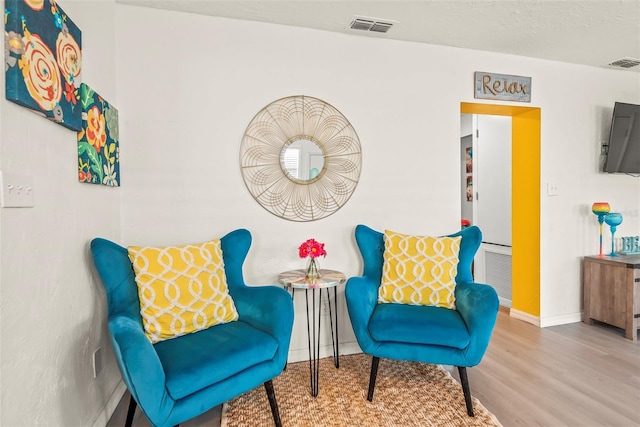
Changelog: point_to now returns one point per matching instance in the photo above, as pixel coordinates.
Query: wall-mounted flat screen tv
(623, 155)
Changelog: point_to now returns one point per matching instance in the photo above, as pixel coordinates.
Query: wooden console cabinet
(612, 292)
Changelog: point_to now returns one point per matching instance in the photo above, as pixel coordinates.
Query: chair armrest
(478, 305)
(268, 308)
(361, 294)
(140, 368)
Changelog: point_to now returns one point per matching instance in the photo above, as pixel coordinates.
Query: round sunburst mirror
(300, 158)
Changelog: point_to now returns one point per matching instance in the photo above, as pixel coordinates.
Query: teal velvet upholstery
(425, 334)
(178, 379)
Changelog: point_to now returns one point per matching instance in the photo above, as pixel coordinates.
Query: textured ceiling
(589, 32)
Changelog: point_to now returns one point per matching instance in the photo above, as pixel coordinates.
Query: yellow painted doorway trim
(525, 201)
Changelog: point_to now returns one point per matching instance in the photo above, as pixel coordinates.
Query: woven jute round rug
(406, 394)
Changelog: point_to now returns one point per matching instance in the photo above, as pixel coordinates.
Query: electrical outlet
(325, 307)
(553, 189)
(97, 362)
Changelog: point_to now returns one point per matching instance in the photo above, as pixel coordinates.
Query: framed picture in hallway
(469, 189)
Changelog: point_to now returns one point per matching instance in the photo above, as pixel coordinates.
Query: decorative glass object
(313, 269)
(601, 209)
(613, 219)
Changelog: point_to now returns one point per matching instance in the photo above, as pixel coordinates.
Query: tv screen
(623, 155)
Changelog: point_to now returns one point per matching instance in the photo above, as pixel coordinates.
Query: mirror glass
(302, 160)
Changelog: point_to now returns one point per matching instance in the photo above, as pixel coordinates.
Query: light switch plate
(16, 190)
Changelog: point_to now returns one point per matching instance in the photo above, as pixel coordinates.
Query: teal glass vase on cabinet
(613, 220)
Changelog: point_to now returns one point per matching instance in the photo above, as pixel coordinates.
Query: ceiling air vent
(361, 24)
(625, 63)
(371, 24)
(381, 27)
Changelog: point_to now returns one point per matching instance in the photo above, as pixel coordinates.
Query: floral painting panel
(98, 140)
(43, 60)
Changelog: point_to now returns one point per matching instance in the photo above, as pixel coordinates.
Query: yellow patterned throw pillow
(182, 289)
(419, 270)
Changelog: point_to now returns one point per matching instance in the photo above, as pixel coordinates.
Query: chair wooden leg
(271, 394)
(372, 377)
(131, 412)
(465, 389)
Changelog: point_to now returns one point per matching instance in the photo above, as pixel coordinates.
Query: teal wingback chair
(178, 379)
(427, 334)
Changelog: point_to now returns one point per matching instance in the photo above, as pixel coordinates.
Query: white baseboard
(560, 320)
(504, 302)
(544, 322)
(302, 354)
(526, 317)
(109, 408)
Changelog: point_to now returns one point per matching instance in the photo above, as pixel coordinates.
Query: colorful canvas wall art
(43, 60)
(98, 140)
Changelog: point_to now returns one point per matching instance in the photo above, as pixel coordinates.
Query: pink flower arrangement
(312, 249)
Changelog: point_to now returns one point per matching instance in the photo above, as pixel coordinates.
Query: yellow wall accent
(525, 200)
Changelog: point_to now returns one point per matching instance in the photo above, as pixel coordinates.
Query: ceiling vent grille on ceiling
(626, 63)
(370, 24)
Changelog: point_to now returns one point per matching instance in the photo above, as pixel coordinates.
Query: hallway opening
(525, 204)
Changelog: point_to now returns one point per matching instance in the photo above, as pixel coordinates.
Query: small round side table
(296, 279)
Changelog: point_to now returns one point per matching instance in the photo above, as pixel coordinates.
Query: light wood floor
(572, 375)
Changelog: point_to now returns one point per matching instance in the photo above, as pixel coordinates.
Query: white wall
(52, 314)
(576, 115)
(188, 115)
(187, 120)
(186, 87)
